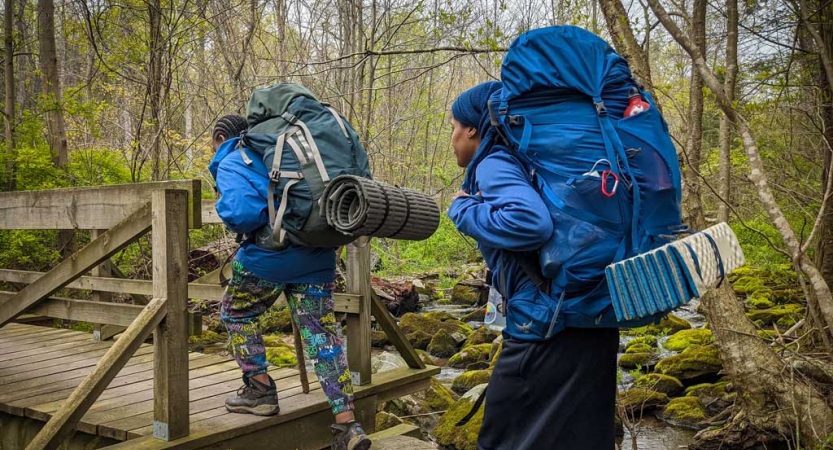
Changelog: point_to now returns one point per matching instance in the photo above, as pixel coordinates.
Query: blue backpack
(611, 183)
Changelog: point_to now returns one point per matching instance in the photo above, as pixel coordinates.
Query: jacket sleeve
(241, 206)
(508, 213)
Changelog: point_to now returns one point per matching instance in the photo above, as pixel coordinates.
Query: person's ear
(471, 133)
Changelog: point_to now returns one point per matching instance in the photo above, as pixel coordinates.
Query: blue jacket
(507, 214)
(242, 207)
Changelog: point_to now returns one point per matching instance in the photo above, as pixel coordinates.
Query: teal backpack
(304, 144)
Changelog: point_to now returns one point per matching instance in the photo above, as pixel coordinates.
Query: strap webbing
(316, 154)
(278, 233)
(340, 122)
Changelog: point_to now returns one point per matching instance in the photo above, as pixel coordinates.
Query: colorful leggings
(248, 296)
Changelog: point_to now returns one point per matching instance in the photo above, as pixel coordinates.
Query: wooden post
(358, 325)
(103, 332)
(170, 280)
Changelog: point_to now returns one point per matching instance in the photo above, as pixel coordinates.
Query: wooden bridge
(141, 395)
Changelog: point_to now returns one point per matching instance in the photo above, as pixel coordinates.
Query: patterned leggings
(248, 296)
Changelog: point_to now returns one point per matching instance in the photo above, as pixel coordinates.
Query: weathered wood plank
(223, 428)
(25, 351)
(51, 356)
(140, 424)
(46, 338)
(63, 422)
(103, 331)
(87, 208)
(82, 310)
(358, 325)
(170, 341)
(395, 334)
(345, 303)
(403, 429)
(71, 268)
(209, 213)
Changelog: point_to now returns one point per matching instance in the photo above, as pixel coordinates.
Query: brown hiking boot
(349, 436)
(255, 398)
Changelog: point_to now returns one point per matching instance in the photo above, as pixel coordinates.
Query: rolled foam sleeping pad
(361, 207)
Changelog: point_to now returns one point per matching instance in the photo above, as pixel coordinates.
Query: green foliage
(756, 249)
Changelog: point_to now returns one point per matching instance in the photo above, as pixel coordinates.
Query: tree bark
(154, 82)
(625, 42)
(8, 67)
(746, 357)
(725, 163)
(694, 139)
(52, 83)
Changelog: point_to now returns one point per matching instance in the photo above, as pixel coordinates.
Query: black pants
(553, 395)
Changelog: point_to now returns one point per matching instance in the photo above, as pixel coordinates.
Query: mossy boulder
(449, 435)
(274, 340)
(276, 320)
(207, 338)
(716, 396)
(639, 348)
(378, 338)
(437, 397)
(636, 360)
(787, 295)
(684, 339)
(668, 325)
(426, 357)
(686, 412)
(772, 315)
(419, 339)
(463, 294)
(483, 335)
(478, 315)
(430, 323)
(467, 380)
(760, 303)
(747, 284)
(470, 355)
(385, 420)
(442, 345)
(658, 382)
(442, 316)
(786, 321)
(648, 340)
(639, 400)
(692, 365)
(281, 356)
(494, 352)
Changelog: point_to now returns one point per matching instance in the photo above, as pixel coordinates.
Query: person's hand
(460, 193)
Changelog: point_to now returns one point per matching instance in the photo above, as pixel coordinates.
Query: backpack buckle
(515, 120)
(601, 110)
(289, 117)
(276, 175)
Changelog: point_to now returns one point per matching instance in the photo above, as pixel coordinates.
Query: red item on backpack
(636, 104)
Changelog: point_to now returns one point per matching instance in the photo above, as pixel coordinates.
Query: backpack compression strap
(276, 217)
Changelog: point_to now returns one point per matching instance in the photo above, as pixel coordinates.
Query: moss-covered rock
(442, 316)
(639, 400)
(449, 435)
(483, 335)
(467, 380)
(437, 397)
(668, 325)
(274, 340)
(693, 364)
(636, 360)
(639, 348)
(442, 345)
(430, 323)
(205, 339)
(378, 338)
(687, 412)
(760, 303)
(494, 352)
(658, 382)
(684, 339)
(282, 356)
(716, 396)
(425, 357)
(469, 355)
(787, 295)
(786, 321)
(385, 420)
(462, 294)
(648, 340)
(419, 339)
(276, 320)
(747, 284)
(478, 315)
(772, 315)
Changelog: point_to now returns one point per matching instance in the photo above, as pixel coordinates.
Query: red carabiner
(612, 192)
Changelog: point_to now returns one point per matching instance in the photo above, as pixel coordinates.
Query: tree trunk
(52, 83)
(746, 357)
(154, 81)
(694, 139)
(824, 246)
(625, 42)
(725, 164)
(8, 67)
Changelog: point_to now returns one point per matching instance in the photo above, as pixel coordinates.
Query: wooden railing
(127, 212)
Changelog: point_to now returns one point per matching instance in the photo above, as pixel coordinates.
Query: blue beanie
(470, 108)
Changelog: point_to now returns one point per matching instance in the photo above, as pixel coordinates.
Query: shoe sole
(262, 410)
(363, 443)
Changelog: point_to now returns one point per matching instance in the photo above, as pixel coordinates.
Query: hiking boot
(349, 436)
(255, 398)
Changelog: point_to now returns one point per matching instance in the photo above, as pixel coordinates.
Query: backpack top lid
(560, 57)
(272, 101)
